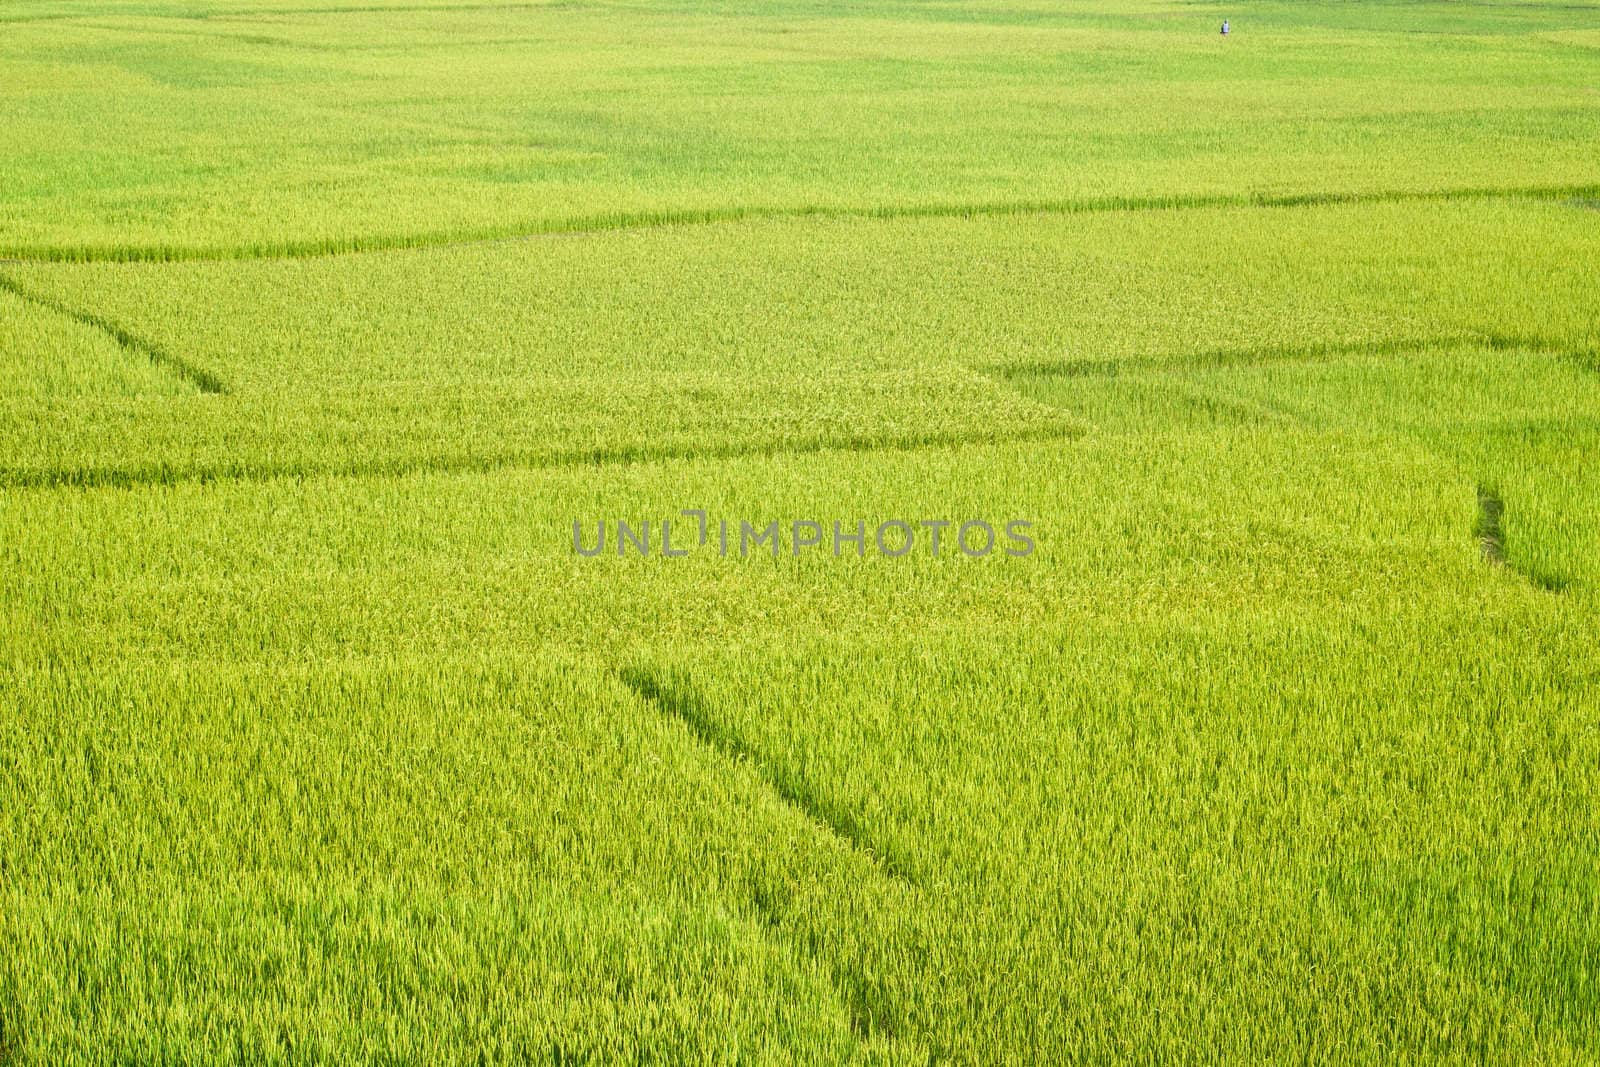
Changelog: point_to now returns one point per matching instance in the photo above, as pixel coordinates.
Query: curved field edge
(120, 442)
(600, 223)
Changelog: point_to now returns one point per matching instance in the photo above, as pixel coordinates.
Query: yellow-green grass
(700, 341)
(320, 743)
(297, 127)
(369, 764)
(48, 356)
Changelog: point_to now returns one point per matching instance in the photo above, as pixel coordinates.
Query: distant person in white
(1224, 27)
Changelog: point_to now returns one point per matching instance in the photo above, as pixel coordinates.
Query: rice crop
(331, 336)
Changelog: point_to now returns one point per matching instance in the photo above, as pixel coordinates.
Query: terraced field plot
(322, 326)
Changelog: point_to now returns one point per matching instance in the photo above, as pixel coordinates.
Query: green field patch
(1234, 523)
(853, 109)
(133, 346)
(829, 297)
(545, 162)
(513, 424)
(1494, 408)
(1196, 746)
(49, 355)
(291, 861)
(674, 697)
(1213, 819)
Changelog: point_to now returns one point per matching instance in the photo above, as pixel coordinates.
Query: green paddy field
(330, 335)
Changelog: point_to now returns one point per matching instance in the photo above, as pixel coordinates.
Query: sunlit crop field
(352, 356)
